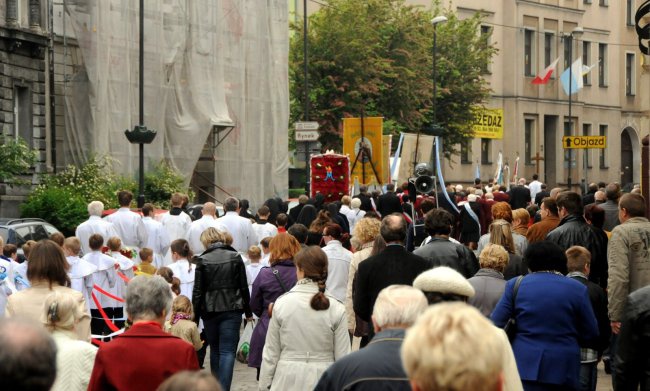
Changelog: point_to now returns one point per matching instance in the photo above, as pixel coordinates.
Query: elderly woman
(520, 220)
(308, 329)
(74, 358)
(488, 282)
(553, 318)
(220, 296)
(144, 356)
(501, 234)
(48, 273)
(271, 283)
(365, 232)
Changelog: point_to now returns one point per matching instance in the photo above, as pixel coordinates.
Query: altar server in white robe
(94, 225)
(104, 277)
(197, 227)
(81, 271)
(240, 228)
(129, 225)
(157, 237)
(181, 267)
(124, 270)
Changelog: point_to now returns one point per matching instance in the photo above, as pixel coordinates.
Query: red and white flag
(545, 75)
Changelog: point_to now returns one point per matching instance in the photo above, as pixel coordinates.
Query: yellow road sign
(584, 142)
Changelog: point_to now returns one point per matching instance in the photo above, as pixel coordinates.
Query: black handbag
(511, 325)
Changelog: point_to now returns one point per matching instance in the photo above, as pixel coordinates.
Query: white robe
(20, 275)
(125, 267)
(129, 227)
(196, 229)
(264, 230)
(176, 225)
(81, 276)
(7, 286)
(94, 225)
(184, 271)
(157, 240)
(104, 277)
(241, 230)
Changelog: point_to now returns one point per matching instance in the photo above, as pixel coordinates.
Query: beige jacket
(29, 304)
(356, 259)
(185, 330)
(628, 257)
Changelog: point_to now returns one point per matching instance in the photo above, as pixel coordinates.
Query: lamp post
(434, 125)
(140, 134)
(576, 31)
(305, 112)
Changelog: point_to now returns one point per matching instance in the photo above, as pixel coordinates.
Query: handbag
(511, 325)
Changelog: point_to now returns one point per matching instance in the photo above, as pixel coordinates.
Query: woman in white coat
(308, 329)
(183, 269)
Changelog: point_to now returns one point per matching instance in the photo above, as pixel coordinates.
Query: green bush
(161, 183)
(60, 207)
(295, 193)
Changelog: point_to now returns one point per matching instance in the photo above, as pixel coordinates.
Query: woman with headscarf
(274, 208)
(307, 215)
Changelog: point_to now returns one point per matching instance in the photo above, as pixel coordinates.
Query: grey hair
(231, 204)
(147, 298)
(398, 305)
(61, 311)
(95, 208)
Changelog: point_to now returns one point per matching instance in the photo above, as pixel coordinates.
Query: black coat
(392, 266)
(519, 197)
(366, 205)
(378, 366)
(632, 359)
(295, 211)
(598, 299)
(540, 196)
(442, 252)
(220, 282)
(516, 267)
(389, 203)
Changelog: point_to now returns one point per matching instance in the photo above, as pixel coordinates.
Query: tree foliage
(16, 158)
(374, 57)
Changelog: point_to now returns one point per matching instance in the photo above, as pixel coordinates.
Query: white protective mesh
(206, 63)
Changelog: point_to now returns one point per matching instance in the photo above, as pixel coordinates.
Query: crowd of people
(476, 287)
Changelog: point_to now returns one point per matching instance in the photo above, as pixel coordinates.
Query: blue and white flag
(498, 176)
(477, 173)
(576, 78)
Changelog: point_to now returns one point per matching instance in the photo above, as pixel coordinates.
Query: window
(486, 31)
(486, 151)
(23, 113)
(548, 49)
(630, 74)
(586, 60)
(602, 131)
(586, 131)
(604, 3)
(602, 65)
(629, 14)
(529, 139)
(529, 50)
(466, 152)
(587, 1)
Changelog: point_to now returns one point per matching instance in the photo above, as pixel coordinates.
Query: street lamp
(576, 32)
(434, 125)
(140, 134)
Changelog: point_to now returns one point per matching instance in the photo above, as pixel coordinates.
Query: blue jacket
(554, 316)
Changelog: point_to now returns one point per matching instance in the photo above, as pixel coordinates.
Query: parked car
(18, 231)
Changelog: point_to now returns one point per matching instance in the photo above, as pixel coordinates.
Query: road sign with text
(309, 125)
(584, 142)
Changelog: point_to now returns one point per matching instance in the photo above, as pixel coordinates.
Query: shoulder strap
(276, 273)
(515, 289)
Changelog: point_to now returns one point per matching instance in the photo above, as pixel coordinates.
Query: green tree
(16, 158)
(374, 57)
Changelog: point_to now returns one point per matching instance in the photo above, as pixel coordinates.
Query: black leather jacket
(220, 282)
(632, 356)
(442, 252)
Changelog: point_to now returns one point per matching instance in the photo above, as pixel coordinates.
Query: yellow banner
(488, 123)
(364, 149)
(386, 144)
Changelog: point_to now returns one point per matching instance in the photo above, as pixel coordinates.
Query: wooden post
(537, 159)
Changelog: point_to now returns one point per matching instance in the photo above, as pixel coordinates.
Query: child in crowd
(181, 324)
(174, 283)
(81, 271)
(20, 271)
(254, 255)
(146, 258)
(104, 277)
(281, 221)
(266, 251)
(262, 227)
(10, 253)
(182, 268)
(125, 272)
(58, 238)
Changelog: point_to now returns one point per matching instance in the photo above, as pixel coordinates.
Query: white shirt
(94, 225)
(129, 227)
(125, 266)
(534, 187)
(157, 240)
(104, 277)
(81, 276)
(197, 227)
(184, 271)
(20, 275)
(241, 230)
(338, 268)
(252, 270)
(176, 225)
(264, 230)
(350, 214)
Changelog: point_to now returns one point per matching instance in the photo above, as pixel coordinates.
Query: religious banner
(330, 176)
(414, 150)
(362, 142)
(488, 123)
(386, 145)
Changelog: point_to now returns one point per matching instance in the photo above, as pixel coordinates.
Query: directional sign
(307, 135)
(311, 125)
(584, 142)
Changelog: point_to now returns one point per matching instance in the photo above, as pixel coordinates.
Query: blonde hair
(494, 257)
(577, 258)
(211, 235)
(73, 244)
(522, 215)
(254, 252)
(453, 347)
(366, 230)
(182, 305)
(61, 311)
(501, 234)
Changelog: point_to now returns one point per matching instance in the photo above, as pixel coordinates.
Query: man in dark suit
(589, 197)
(541, 195)
(295, 211)
(519, 195)
(389, 202)
(363, 195)
(394, 265)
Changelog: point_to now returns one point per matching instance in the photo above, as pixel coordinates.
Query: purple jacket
(266, 290)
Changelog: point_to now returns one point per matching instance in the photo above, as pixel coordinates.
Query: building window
(529, 140)
(587, 1)
(602, 131)
(604, 3)
(586, 60)
(486, 31)
(486, 151)
(529, 52)
(23, 114)
(602, 65)
(466, 152)
(629, 14)
(586, 131)
(630, 74)
(548, 49)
